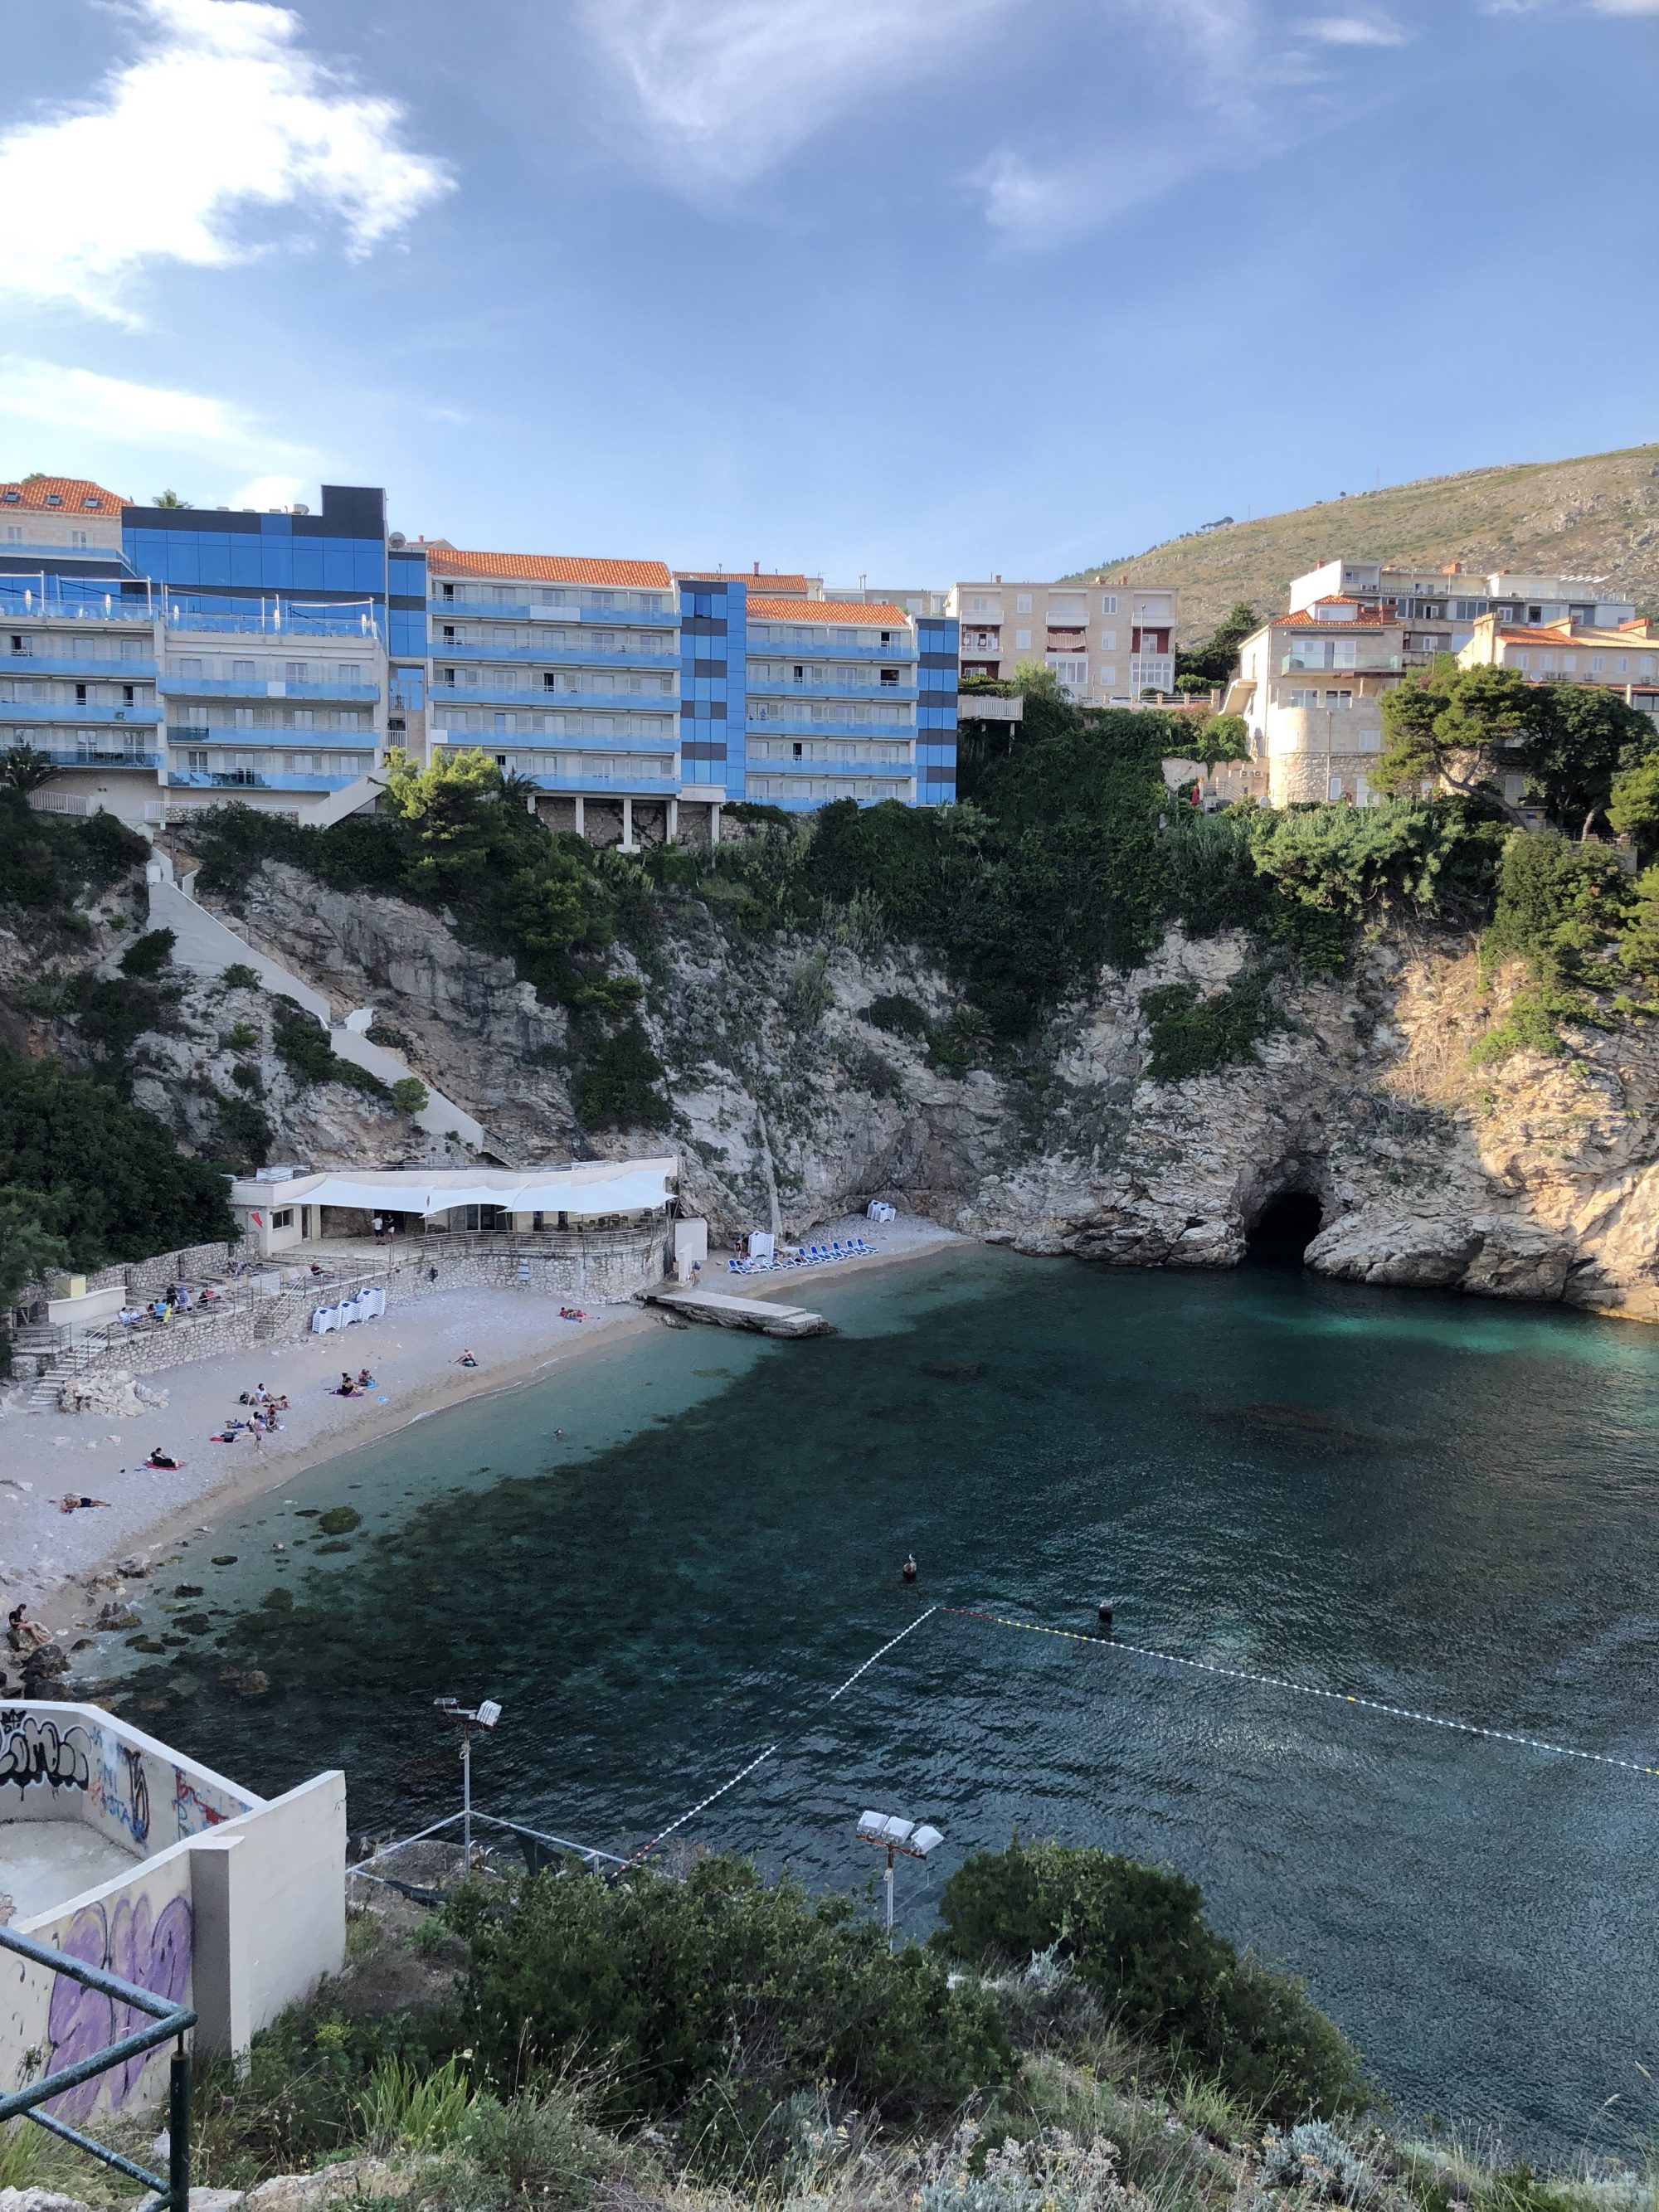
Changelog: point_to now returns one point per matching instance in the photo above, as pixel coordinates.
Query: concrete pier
(721, 1311)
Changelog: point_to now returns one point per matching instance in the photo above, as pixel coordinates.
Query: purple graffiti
(141, 1946)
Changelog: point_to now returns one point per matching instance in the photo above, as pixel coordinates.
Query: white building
(1108, 641)
(281, 1209)
(1438, 608)
(1310, 689)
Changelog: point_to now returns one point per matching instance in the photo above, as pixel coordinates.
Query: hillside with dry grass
(1595, 516)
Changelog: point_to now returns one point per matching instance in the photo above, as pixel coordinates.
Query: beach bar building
(281, 1210)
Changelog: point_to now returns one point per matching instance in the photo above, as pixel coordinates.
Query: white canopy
(588, 1187)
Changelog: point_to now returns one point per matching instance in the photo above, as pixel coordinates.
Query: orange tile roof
(1364, 617)
(548, 568)
(779, 584)
(69, 493)
(856, 613)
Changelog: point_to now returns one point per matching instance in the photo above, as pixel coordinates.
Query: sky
(909, 289)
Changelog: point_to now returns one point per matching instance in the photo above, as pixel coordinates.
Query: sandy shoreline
(47, 1556)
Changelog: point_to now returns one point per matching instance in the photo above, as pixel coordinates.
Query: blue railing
(85, 756)
(554, 655)
(768, 648)
(295, 741)
(800, 726)
(213, 779)
(521, 610)
(272, 620)
(862, 687)
(36, 710)
(635, 787)
(238, 687)
(877, 765)
(169, 2021)
(81, 665)
(467, 695)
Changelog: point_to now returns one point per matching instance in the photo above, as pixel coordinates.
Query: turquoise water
(1446, 1505)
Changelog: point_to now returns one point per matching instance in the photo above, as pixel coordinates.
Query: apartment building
(1310, 689)
(848, 699)
(1439, 607)
(1624, 658)
(567, 671)
(193, 656)
(1109, 642)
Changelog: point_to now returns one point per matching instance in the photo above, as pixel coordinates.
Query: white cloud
(269, 491)
(1352, 31)
(728, 87)
(222, 113)
(1625, 7)
(108, 414)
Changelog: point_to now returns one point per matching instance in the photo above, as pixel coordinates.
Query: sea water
(1442, 1505)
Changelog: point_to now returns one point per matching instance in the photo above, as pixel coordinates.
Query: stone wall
(148, 1278)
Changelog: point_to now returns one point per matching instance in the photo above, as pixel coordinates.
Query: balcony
(82, 666)
(236, 687)
(521, 741)
(774, 649)
(603, 787)
(467, 695)
(797, 725)
(559, 656)
(520, 611)
(275, 620)
(37, 710)
(19, 597)
(768, 687)
(876, 764)
(90, 756)
(1293, 665)
(272, 740)
(240, 779)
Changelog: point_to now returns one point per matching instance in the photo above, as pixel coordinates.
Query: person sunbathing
(159, 1458)
(365, 1380)
(72, 1503)
(466, 1360)
(25, 1635)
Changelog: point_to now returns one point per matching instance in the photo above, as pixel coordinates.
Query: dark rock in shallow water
(956, 1371)
(1309, 1427)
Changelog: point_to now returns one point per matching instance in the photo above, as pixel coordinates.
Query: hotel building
(1438, 608)
(1310, 688)
(1109, 642)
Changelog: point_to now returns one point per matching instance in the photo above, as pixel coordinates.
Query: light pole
(899, 1840)
(485, 1716)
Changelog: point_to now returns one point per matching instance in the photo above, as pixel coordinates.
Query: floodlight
(488, 1713)
(485, 1715)
(897, 1837)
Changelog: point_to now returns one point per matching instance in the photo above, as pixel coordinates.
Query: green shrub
(1195, 1036)
(240, 1036)
(616, 1081)
(1137, 1936)
(402, 2107)
(410, 1095)
(720, 1988)
(239, 976)
(241, 1131)
(147, 956)
(897, 1015)
(301, 1044)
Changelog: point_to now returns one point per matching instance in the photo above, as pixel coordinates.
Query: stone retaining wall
(146, 1278)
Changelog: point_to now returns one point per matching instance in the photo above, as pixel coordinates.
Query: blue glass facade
(713, 683)
(938, 639)
(216, 562)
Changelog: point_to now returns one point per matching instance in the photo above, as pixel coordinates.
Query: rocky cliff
(1530, 1179)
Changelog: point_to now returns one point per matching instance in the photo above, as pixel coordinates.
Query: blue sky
(913, 289)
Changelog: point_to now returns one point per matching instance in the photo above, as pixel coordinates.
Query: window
(1108, 603)
(1303, 699)
(348, 719)
(890, 676)
(296, 672)
(349, 672)
(80, 695)
(190, 667)
(303, 718)
(242, 717)
(1023, 640)
(284, 1219)
(195, 760)
(1524, 660)
(196, 718)
(14, 533)
(501, 594)
(129, 695)
(1339, 699)
(77, 538)
(975, 606)
(242, 672)
(1022, 603)
(1108, 641)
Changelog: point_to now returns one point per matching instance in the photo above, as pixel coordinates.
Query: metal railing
(544, 1849)
(172, 2194)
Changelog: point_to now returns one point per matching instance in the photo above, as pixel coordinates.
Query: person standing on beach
(380, 1228)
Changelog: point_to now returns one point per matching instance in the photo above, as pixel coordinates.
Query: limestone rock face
(1532, 1178)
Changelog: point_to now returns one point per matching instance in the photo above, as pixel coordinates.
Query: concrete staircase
(207, 945)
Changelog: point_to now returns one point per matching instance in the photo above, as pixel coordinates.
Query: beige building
(1625, 659)
(1108, 640)
(1438, 608)
(1310, 689)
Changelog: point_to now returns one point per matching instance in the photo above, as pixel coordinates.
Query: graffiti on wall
(122, 1791)
(193, 1811)
(131, 1939)
(39, 1753)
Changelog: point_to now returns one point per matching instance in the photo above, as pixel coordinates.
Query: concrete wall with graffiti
(131, 1789)
(235, 1905)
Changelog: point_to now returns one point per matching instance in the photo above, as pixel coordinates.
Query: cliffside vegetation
(86, 1179)
(1074, 2037)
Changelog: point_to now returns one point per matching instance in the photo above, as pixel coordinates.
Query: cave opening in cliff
(1283, 1230)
